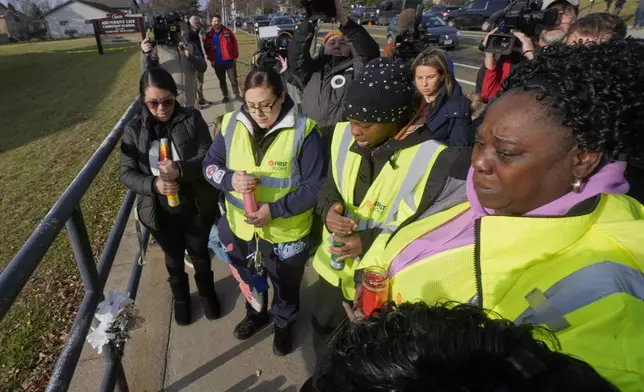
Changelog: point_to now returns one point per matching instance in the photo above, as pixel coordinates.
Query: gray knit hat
(383, 93)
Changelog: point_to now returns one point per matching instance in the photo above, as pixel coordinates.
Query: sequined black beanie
(383, 93)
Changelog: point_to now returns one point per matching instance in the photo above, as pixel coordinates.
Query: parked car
(473, 15)
(364, 15)
(385, 18)
(448, 37)
(256, 21)
(283, 23)
(439, 9)
(239, 21)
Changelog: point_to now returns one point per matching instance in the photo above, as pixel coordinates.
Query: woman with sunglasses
(174, 201)
(269, 151)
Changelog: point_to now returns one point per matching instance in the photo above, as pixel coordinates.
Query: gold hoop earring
(577, 184)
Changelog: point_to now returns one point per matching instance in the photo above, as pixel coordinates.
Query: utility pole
(233, 14)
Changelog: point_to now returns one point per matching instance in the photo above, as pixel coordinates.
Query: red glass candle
(375, 293)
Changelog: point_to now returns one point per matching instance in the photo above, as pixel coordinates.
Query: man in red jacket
(221, 49)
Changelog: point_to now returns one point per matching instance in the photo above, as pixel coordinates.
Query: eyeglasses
(262, 109)
(154, 104)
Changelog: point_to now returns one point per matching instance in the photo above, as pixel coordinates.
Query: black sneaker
(249, 325)
(282, 342)
(204, 102)
(225, 100)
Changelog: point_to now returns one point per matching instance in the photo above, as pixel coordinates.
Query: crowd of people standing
(485, 222)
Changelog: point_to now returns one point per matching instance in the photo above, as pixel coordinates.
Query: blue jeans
(638, 20)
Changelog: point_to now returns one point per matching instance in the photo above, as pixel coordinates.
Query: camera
(270, 48)
(523, 15)
(322, 10)
(410, 42)
(164, 29)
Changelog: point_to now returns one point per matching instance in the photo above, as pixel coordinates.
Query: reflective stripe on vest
(267, 181)
(579, 289)
(421, 160)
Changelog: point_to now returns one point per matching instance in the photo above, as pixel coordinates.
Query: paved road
(466, 56)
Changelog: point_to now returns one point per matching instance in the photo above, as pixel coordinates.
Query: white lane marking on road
(466, 82)
(466, 66)
(473, 34)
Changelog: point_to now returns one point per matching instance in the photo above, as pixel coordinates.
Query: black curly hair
(597, 90)
(448, 347)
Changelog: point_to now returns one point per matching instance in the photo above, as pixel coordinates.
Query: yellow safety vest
(580, 276)
(391, 198)
(279, 175)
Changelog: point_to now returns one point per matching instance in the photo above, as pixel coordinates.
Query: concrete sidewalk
(204, 356)
(636, 33)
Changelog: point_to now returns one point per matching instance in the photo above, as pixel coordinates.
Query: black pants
(221, 72)
(328, 314)
(183, 232)
(285, 271)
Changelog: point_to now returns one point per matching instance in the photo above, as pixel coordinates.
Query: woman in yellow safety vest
(270, 152)
(378, 176)
(548, 235)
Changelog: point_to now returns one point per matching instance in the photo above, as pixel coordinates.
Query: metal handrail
(66, 211)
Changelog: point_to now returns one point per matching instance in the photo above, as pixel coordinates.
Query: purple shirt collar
(459, 231)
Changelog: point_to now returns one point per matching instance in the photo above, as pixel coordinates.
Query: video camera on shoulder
(410, 42)
(523, 15)
(322, 10)
(272, 43)
(165, 28)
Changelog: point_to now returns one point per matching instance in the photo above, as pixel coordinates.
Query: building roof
(99, 6)
(3, 10)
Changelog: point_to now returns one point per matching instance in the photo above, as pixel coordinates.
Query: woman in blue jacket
(444, 108)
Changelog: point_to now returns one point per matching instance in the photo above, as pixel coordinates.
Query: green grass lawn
(247, 47)
(58, 101)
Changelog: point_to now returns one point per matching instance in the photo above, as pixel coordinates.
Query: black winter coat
(189, 133)
(320, 101)
(451, 121)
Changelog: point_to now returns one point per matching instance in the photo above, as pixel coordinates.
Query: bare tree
(35, 8)
(186, 7)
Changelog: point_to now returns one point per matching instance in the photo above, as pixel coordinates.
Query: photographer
(273, 53)
(405, 19)
(498, 70)
(177, 55)
(327, 78)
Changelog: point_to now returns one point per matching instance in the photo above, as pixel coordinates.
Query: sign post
(97, 35)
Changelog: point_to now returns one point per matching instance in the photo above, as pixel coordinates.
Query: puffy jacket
(320, 100)
(451, 121)
(228, 45)
(189, 134)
